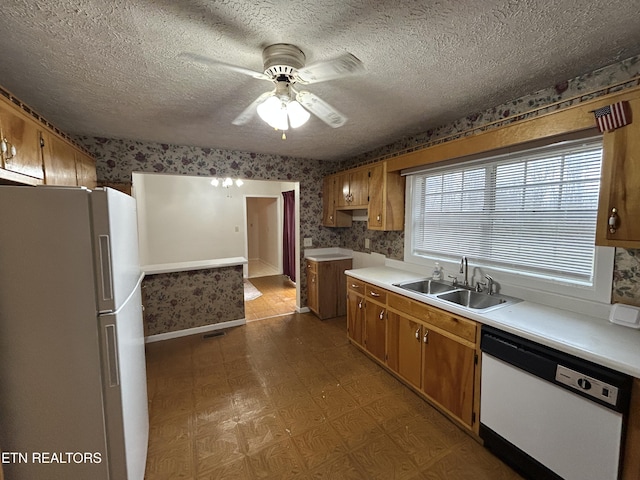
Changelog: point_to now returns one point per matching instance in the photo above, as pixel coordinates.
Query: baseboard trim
(194, 331)
(302, 310)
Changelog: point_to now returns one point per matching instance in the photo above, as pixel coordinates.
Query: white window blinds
(531, 212)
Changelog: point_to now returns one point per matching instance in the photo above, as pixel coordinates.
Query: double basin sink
(458, 295)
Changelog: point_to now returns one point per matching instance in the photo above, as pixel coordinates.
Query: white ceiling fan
(287, 106)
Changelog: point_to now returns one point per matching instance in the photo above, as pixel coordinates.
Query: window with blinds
(531, 212)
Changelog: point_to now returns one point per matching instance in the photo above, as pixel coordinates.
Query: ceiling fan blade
(201, 59)
(249, 112)
(341, 66)
(321, 109)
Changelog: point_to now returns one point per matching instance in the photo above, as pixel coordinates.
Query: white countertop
(590, 338)
(327, 254)
(194, 265)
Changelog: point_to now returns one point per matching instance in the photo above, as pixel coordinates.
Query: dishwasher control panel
(586, 384)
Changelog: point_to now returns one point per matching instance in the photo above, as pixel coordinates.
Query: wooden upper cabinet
(59, 158)
(373, 188)
(620, 186)
(352, 189)
(85, 170)
(386, 199)
(328, 201)
(330, 216)
(21, 136)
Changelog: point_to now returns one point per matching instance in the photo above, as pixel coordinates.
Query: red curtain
(289, 235)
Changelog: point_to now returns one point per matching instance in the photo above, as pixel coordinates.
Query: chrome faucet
(464, 268)
(489, 284)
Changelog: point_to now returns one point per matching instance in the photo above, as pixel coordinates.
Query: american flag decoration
(613, 116)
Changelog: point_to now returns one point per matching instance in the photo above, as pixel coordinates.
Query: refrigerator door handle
(105, 268)
(111, 348)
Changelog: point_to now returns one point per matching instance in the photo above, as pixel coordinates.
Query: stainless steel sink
(476, 300)
(460, 295)
(429, 287)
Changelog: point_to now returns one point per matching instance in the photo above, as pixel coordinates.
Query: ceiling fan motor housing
(282, 60)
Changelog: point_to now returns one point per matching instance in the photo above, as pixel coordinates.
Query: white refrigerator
(73, 395)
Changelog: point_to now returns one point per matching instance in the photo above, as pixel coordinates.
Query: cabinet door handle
(360, 304)
(425, 337)
(381, 316)
(613, 220)
(418, 334)
(374, 294)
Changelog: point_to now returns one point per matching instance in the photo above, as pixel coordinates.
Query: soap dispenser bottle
(437, 272)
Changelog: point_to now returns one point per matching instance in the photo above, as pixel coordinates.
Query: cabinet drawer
(312, 266)
(376, 293)
(355, 285)
(439, 318)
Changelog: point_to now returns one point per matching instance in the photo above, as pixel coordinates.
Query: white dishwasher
(548, 414)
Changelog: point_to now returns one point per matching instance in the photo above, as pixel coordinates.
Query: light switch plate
(308, 242)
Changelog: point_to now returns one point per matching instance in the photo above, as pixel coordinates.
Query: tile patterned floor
(278, 297)
(290, 398)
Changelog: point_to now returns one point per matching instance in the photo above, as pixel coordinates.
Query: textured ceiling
(117, 68)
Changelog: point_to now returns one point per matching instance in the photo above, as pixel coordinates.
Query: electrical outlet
(367, 243)
(308, 242)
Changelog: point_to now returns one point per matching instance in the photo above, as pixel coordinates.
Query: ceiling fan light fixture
(298, 116)
(274, 112)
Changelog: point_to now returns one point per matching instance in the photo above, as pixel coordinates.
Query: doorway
(268, 292)
(264, 236)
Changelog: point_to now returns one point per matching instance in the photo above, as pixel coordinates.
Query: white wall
(264, 229)
(184, 218)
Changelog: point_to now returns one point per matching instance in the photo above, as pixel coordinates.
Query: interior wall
(184, 218)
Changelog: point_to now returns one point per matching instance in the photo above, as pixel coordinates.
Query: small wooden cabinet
(20, 136)
(386, 199)
(404, 347)
(448, 367)
(352, 190)
(375, 320)
(59, 160)
(326, 284)
(330, 216)
(355, 310)
(619, 188)
(85, 170)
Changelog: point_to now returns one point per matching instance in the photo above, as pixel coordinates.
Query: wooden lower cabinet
(325, 283)
(404, 347)
(375, 315)
(448, 369)
(355, 317)
(431, 350)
